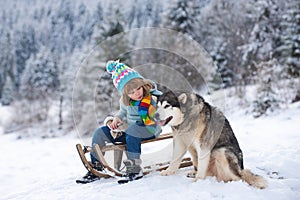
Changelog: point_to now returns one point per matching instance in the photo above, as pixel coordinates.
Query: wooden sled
(113, 172)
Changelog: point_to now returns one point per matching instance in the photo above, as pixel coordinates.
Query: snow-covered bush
(269, 76)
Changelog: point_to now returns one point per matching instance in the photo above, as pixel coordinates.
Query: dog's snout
(156, 116)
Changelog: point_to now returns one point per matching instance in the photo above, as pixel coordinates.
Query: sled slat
(185, 162)
(123, 146)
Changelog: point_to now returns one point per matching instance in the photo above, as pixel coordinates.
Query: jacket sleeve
(122, 112)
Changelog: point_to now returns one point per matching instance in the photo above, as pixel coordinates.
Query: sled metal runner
(82, 150)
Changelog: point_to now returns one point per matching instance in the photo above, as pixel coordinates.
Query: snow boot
(133, 171)
(89, 176)
(98, 166)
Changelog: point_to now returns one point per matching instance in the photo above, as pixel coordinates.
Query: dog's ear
(182, 98)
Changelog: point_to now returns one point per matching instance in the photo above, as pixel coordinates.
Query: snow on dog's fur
(205, 132)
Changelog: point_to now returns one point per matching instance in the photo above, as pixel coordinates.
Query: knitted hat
(121, 74)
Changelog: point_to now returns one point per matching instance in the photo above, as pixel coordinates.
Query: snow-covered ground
(34, 168)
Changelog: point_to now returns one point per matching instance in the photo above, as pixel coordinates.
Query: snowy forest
(44, 43)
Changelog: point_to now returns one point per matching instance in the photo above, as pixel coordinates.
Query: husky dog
(205, 132)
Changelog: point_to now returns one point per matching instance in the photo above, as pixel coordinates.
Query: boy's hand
(115, 123)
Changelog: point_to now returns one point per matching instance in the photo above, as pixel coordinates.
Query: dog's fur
(205, 132)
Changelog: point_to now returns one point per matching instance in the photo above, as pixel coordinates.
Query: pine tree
(144, 14)
(264, 35)
(224, 28)
(221, 61)
(83, 28)
(267, 98)
(99, 13)
(179, 17)
(113, 44)
(6, 62)
(25, 47)
(40, 79)
(39, 85)
(66, 89)
(289, 50)
(8, 92)
(157, 19)
(62, 30)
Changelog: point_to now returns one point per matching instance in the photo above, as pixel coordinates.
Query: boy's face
(136, 94)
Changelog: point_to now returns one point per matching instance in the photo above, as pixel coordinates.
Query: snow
(35, 168)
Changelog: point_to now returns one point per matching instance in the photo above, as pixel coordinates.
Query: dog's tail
(253, 179)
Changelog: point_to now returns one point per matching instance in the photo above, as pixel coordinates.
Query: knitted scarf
(146, 111)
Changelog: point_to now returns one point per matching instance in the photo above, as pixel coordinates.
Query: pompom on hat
(121, 74)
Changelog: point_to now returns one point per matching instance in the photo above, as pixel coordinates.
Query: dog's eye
(166, 106)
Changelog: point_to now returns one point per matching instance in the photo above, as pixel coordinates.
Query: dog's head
(168, 109)
(173, 107)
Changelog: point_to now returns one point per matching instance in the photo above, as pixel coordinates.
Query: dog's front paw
(197, 177)
(166, 172)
